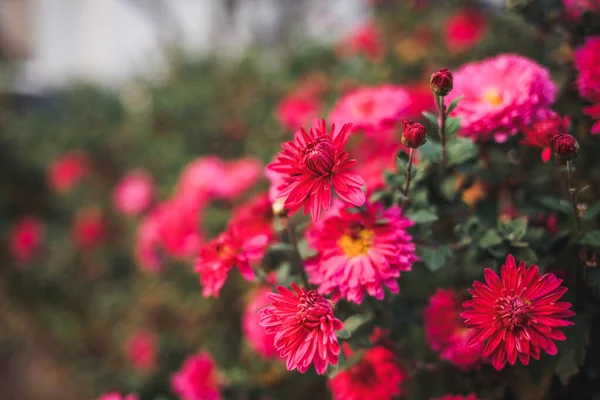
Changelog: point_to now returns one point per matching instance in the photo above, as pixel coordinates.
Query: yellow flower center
(357, 243)
(493, 96)
(225, 251)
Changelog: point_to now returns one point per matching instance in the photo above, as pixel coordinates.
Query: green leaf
(343, 334)
(355, 321)
(591, 238)
(526, 254)
(454, 103)
(461, 150)
(592, 212)
(422, 216)
(431, 151)
(452, 126)
(513, 230)
(571, 353)
(489, 239)
(433, 119)
(434, 258)
(558, 205)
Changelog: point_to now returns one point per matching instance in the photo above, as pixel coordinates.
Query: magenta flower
(197, 379)
(587, 62)
(260, 341)
(141, 350)
(304, 328)
(312, 164)
(360, 251)
(134, 193)
(26, 237)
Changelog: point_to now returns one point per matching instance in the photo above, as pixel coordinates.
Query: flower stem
(291, 231)
(409, 171)
(572, 195)
(442, 132)
(580, 269)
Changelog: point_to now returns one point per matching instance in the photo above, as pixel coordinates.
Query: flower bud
(442, 82)
(413, 134)
(565, 146)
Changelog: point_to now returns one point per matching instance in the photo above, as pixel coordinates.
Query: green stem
(580, 275)
(409, 171)
(442, 132)
(291, 231)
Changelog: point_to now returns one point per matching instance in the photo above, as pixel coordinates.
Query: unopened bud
(442, 82)
(413, 134)
(565, 146)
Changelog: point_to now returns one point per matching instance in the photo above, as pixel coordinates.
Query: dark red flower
(517, 314)
(90, 229)
(565, 146)
(441, 82)
(67, 170)
(26, 237)
(541, 133)
(413, 134)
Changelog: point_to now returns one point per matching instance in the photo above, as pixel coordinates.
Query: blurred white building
(109, 41)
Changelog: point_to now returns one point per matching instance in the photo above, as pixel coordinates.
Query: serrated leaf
(555, 204)
(489, 239)
(454, 103)
(461, 150)
(591, 238)
(433, 119)
(434, 258)
(422, 216)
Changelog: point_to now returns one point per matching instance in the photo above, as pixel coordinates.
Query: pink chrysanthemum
(360, 251)
(541, 133)
(295, 111)
(134, 193)
(148, 244)
(312, 164)
(517, 314)
(471, 396)
(501, 94)
(141, 350)
(197, 379)
(372, 109)
(446, 332)
(228, 250)
(376, 376)
(260, 341)
(118, 396)
(179, 226)
(65, 171)
(26, 237)
(587, 62)
(304, 328)
(465, 29)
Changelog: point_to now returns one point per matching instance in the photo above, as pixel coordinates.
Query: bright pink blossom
(240, 175)
(501, 94)
(587, 62)
(148, 244)
(446, 332)
(89, 229)
(255, 217)
(376, 376)
(179, 226)
(360, 251)
(230, 249)
(296, 111)
(26, 237)
(304, 328)
(134, 193)
(372, 109)
(540, 134)
(517, 314)
(260, 341)
(197, 379)
(365, 40)
(118, 396)
(465, 29)
(141, 350)
(68, 169)
(313, 163)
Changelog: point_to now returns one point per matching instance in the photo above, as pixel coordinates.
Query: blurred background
(91, 90)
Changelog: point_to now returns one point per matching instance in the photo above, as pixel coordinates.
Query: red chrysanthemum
(255, 217)
(228, 250)
(312, 164)
(465, 29)
(295, 111)
(26, 238)
(360, 251)
(178, 224)
(516, 314)
(197, 379)
(540, 134)
(90, 229)
(376, 376)
(68, 169)
(304, 328)
(141, 350)
(446, 332)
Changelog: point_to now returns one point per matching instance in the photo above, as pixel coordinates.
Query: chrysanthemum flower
(372, 109)
(501, 94)
(471, 396)
(446, 332)
(517, 314)
(179, 225)
(304, 328)
(134, 193)
(541, 133)
(68, 169)
(260, 341)
(587, 62)
(118, 396)
(141, 350)
(228, 250)
(255, 216)
(312, 164)
(197, 379)
(465, 29)
(26, 237)
(375, 157)
(295, 111)
(376, 376)
(360, 251)
(365, 40)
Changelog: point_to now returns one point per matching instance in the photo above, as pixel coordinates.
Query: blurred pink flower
(465, 29)
(255, 217)
(446, 332)
(118, 396)
(587, 63)
(197, 379)
(575, 8)
(90, 229)
(421, 99)
(541, 132)
(372, 109)
(65, 171)
(141, 350)
(304, 327)
(260, 341)
(501, 94)
(230, 249)
(374, 158)
(134, 193)
(296, 111)
(148, 244)
(179, 226)
(26, 237)
(365, 40)
(360, 251)
(376, 376)
(239, 176)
